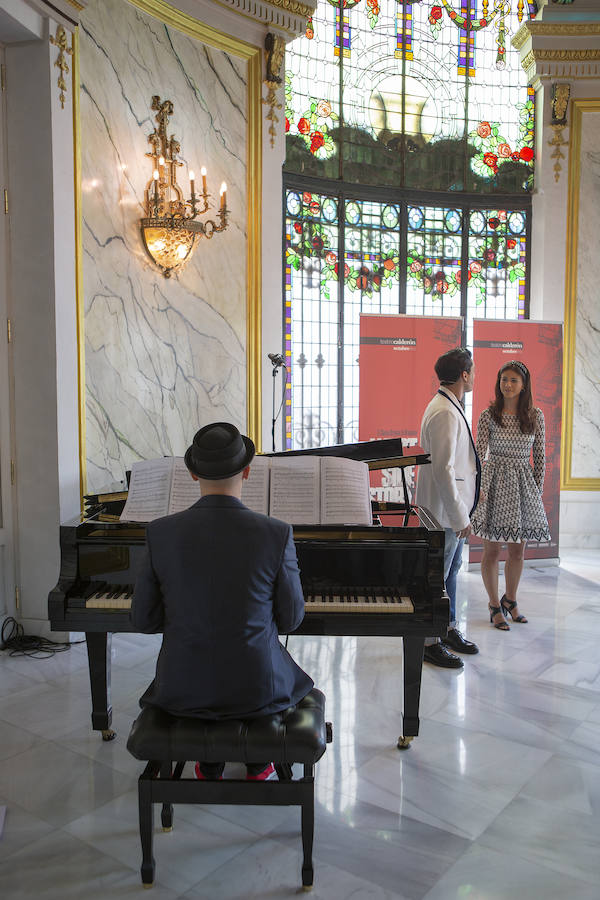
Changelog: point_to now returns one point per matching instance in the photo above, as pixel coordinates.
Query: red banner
(397, 381)
(539, 346)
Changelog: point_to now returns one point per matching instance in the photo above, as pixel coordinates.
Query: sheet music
(295, 489)
(184, 490)
(255, 490)
(345, 494)
(149, 490)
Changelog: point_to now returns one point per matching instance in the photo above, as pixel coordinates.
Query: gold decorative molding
(550, 29)
(171, 17)
(79, 301)
(543, 54)
(78, 6)
(560, 102)
(294, 7)
(185, 23)
(557, 142)
(61, 63)
(568, 481)
(274, 54)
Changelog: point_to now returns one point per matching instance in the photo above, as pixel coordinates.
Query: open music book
(311, 490)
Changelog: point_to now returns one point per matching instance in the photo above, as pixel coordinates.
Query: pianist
(221, 582)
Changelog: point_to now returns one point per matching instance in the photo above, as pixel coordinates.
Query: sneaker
(267, 774)
(202, 777)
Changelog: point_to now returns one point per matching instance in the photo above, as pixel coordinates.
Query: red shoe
(203, 777)
(267, 774)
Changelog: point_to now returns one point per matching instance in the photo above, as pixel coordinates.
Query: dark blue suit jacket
(220, 582)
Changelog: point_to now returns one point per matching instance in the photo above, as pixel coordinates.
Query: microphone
(277, 359)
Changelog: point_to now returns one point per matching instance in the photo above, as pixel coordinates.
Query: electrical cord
(14, 639)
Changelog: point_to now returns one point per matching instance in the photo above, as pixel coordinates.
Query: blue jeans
(453, 546)
(452, 562)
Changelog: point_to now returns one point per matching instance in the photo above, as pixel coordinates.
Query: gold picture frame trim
(253, 55)
(568, 481)
(79, 305)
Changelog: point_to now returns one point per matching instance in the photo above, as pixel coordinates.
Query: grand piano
(384, 579)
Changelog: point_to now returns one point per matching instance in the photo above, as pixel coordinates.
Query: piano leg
(413, 667)
(98, 647)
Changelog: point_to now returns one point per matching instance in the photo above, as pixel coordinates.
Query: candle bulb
(203, 173)
(192, 180)
(223, 196)
(161, 161)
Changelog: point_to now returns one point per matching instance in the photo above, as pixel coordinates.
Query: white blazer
(447, 487)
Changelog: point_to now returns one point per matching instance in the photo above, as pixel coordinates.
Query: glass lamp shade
(168, 247)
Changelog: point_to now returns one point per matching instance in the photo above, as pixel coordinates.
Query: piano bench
(296, 735)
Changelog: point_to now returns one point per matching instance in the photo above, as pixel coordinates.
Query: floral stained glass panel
(388, 92)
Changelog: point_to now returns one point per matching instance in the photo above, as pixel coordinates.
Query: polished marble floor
(498, 798)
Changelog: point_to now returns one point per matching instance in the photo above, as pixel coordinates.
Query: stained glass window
(407, 181)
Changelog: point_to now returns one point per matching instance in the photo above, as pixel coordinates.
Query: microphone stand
(273, 420)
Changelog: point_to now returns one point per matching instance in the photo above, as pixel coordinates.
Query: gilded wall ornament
(274, 53)
(61, 63)
(560, 102)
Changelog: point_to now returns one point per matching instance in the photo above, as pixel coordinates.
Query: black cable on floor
(14, 639)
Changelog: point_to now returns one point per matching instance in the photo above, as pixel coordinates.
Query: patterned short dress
(510, 506)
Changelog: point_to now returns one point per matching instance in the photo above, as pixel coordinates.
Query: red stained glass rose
(511, 243)
(306, 197)
(389, 264)
(436, 13)
(504, 150)
(303, 126)
(297, 227)
(484, 129)
(330, 258)
(317, 243)
(490, 159)
(316, 141)
(287, 124)
(493, 222)
(526, 154)
(314, 208)
(475, 267)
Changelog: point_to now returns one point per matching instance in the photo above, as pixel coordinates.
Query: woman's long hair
(525, 404)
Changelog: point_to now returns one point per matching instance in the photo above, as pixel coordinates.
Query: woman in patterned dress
(510, 508)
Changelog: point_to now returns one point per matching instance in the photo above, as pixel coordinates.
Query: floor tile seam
(526, 744)
(477, 728)
(545, 862)
(211, 874)
(39, 739)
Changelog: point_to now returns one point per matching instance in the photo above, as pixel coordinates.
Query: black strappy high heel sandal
(508, 606)
(494, 611)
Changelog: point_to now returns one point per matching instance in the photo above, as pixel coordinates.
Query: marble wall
(163, 356)
(585, 460)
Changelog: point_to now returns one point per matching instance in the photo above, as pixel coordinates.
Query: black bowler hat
(219, 451)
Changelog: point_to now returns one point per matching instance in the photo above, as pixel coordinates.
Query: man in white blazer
(449, 487)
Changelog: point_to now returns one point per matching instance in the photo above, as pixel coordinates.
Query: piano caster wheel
(109, 735)
(147, 886)
(404, 742)
(307, 887)
(170, 828)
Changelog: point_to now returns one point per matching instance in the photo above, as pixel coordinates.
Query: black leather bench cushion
(297, 734)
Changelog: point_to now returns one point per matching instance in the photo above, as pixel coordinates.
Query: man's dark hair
(452, 364)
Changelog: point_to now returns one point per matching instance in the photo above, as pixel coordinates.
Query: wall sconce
(169, 228)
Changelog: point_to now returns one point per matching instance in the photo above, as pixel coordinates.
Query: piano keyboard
(109, 596)
(351, 600)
